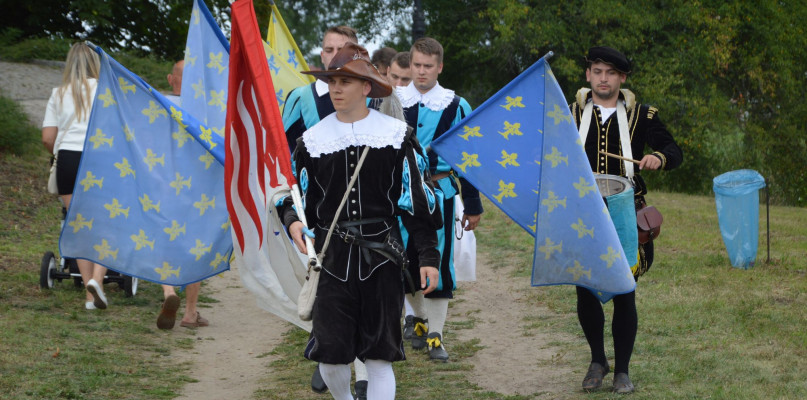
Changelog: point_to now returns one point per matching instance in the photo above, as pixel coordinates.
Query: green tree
(725, 75)
(156, 28)
(308, 19)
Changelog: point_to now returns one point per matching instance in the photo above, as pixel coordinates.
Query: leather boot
(622, 383)
(593, 379)
(437, 351)
(420, 332)
(361, 390)
(409, 327)
(317, 384)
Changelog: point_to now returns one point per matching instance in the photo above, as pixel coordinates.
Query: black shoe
(622, 383)
(317, 384)
(593, 379)
(409, 327)
(361, 390)
(419, 333)
(437, 351)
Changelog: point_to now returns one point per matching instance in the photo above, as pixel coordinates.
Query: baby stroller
(55, 269)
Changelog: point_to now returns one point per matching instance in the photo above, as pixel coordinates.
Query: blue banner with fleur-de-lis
(522, 150)
(204, 77)
(149, 196)
(207, 59)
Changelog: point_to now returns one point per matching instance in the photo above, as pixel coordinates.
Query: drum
(617, 192)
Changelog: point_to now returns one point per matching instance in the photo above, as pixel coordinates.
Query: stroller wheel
(46, 270)
(129, 286)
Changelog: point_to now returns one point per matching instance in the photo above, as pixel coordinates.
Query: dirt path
(512, 360)
(231, 355)
(29, 85)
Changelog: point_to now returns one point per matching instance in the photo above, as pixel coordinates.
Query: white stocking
(436, 310)
(361, 370)
(417, 303)
(381, 385)
(337, 377)
(408, 307)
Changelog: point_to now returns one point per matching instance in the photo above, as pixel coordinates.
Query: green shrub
(9, 36)
(152, 70)
(17, 136)
(27, 50)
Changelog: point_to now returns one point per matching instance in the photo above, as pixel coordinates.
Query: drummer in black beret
(610, 56)
(616, 131)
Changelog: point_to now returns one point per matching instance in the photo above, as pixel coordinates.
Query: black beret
(609, 55)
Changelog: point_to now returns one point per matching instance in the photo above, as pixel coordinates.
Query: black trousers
(624, 324)
(358, 318)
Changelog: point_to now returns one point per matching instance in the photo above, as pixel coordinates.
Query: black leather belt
(390, 248)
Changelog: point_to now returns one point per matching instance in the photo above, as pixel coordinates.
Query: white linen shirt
(61, 113)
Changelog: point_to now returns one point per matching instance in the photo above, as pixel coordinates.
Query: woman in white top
(63, 132)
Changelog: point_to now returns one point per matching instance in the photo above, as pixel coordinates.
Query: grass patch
(706, 330)
(17, 136)
(51, 347)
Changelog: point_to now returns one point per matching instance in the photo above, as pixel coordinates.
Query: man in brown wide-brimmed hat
(306, 105)
(357, 310)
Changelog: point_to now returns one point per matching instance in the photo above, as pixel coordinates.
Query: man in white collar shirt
(356, 313)
(307, 105)
(431, 110)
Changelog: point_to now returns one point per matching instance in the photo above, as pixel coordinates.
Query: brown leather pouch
(648, 221)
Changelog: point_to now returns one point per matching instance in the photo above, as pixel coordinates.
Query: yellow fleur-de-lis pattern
(79, 223)
(107, 98)
(126, 87)
(469, 160)
(513, 102)
(216, 62)
(100, 139)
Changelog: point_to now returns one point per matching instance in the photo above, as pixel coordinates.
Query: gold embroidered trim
(663, 158)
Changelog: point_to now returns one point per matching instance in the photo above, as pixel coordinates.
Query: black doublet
(375, 195)
(644, 127)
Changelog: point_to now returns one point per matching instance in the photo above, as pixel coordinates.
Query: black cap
(610, 56)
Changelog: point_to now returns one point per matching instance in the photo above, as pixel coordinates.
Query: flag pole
(313, 261)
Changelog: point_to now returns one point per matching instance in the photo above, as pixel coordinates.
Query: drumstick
(619, 157)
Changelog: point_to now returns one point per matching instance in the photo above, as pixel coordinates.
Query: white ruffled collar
(436, 99)
(377, 130)
(321, 87)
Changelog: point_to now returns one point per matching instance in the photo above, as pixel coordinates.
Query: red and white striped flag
(258, 169)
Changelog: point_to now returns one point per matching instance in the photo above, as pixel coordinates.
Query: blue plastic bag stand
(737, 201)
